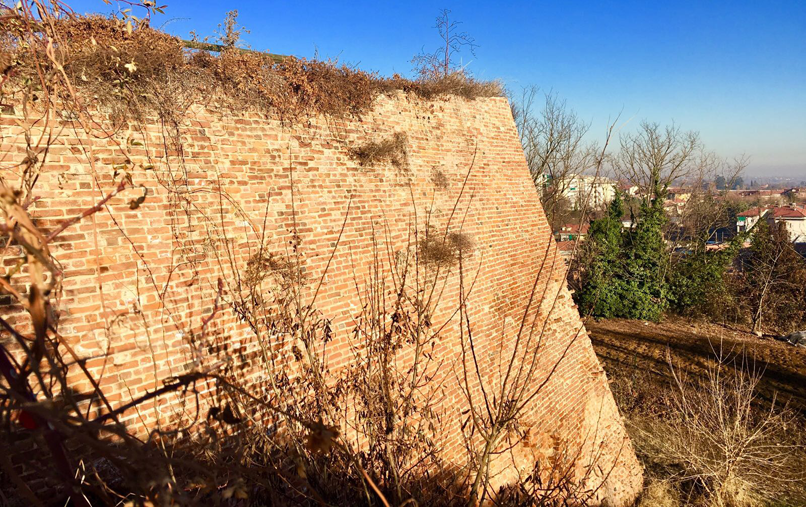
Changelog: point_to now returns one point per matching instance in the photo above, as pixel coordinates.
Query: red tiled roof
(566, 246)
(789, 212)
(777, 212)
(752, 212)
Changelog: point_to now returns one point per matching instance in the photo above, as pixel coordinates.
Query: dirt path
(624, 345)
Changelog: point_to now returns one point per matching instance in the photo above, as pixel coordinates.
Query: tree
(697, 274)
(652, 159)
(441, 62)
(697, 282)
(625, 273)
(554, 144)
(655, 157)
(598, 293)
(645, 291)
(774, 280)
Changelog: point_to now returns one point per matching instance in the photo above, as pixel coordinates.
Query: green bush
(625, 273)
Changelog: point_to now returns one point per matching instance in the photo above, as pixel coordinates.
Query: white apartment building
(595, 191)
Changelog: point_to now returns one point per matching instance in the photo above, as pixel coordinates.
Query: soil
(626, 346)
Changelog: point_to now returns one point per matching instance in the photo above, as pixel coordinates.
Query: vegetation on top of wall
(113, 60)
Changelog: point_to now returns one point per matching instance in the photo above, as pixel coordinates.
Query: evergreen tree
(601, 255)
(644, 291)
(626, 275)
(697, 282)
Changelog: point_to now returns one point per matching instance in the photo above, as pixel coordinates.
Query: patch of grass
(659, 493)
(439, 179)
(444, 251)
(392, 150)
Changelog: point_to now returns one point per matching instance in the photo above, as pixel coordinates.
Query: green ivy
(626, 272)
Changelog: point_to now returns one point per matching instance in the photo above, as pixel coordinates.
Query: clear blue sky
(733, 70)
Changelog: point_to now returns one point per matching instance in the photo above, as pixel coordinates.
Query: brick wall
(139, 283)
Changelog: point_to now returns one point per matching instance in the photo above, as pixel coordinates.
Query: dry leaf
(321, 437)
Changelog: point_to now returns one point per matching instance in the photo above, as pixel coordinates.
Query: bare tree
(705, 210)
(655, 157)
(554, 144)
(441, 63)
(774, 279)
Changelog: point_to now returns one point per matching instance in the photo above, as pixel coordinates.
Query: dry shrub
(443, 250)
(554, 480)
(293, 87)
(110, 61)
(97, 48)
(325, 87)
(459, 84)
(439, 179)
(392, 150)
(269, 266)
(660, 493)
(716, 438)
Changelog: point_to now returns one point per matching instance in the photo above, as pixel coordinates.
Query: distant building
(566, 250)
(627, 188)
(761, 195)
(794, 217)
(571, 232)
(679, 194)
(795, 194)
(747, 219)
(675, 206)
(589, 191)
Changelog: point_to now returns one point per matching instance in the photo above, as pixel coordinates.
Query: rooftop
(777, 212)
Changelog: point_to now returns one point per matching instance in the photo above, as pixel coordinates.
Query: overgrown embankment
(716, 414)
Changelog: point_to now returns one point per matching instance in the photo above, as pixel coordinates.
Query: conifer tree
(644, 290)
(602, 255)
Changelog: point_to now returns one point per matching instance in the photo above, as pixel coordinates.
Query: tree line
(642, 259)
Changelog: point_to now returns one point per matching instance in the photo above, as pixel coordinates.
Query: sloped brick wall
(138, 283)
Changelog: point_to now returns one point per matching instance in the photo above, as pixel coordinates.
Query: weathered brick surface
(138, 283)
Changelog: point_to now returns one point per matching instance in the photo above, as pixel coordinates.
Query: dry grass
(392, 150)
(443, 250)
(439, 179)
(710, 440)
(660, 493)
(457, 84)
(110, 64)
